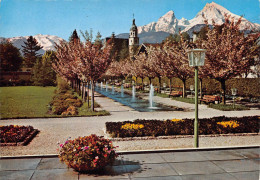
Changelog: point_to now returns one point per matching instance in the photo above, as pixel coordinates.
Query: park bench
(127, 85)
(138, 87)
(175, 94)
(210, 99)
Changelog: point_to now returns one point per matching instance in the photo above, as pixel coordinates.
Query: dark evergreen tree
(42, 73)
(74, 35)
(10, 57)
(98, 40)
(88, 36)
(124, 52)
(185, 36)
(30, 51)
(203, 33)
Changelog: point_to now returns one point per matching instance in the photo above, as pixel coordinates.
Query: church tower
(133, 40)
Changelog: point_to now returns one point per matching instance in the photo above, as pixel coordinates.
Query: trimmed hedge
(248, 124)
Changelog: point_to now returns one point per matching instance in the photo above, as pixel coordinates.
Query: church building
(132, 42)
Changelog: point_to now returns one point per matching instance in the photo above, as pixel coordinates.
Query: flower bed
(215, 125)
(87, 153)
(14, 135)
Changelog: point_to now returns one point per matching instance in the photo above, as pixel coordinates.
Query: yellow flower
(176, 120)
(231, 124)
(132, 126)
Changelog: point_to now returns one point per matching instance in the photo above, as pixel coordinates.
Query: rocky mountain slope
(212, 11)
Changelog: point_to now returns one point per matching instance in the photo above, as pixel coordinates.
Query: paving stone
(221, 155)
(110, 172)
(152, 170)
(238, 165)
(203, 167)
(161, 178)
(19, 164)
(250, 153)
(55, 174)
(183, 156)
(118, 161)
(253, 175)
(224, 176)
(143, 158)
(12, 175)
(51, 163)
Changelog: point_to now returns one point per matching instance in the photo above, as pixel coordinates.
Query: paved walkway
(227, 164)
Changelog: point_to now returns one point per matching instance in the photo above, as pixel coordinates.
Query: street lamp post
(196, 59)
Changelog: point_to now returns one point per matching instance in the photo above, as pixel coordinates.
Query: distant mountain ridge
(147, 37)
(47, 41)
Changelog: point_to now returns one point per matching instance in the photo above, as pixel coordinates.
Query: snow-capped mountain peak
(46, 41)
(211, 12)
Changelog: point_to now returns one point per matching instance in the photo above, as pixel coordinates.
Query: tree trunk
(92, 95)
(201, 95)
(170, 85)
(84, 91)
(88, 93)
(159, 89)
(142, 83)
(150, 80)
(79, 90)
(184, 88)
(223, 87)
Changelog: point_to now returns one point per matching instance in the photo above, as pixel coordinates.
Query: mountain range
(46, 41)
(155, 32)
(211, 12)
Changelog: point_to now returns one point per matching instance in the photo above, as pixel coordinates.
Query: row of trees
(229, 54)
(83, 61)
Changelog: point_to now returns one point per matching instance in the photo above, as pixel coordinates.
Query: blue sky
(61, 17)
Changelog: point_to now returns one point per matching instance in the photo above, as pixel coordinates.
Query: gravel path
(54, 130)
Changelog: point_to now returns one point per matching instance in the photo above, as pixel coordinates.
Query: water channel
(136, 103)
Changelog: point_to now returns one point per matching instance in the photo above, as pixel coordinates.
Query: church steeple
(133, 39)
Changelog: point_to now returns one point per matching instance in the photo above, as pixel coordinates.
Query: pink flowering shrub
(87, 153)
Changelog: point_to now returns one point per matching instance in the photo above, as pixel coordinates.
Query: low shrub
(215, 125)
(65, 103)
(14, 133)
(87, 153)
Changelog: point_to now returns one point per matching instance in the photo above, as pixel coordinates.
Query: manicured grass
(186, 100)
(228, 107)
(32, 102)
(25, 101)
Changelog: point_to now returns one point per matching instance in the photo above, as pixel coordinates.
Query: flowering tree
(137, 67)
(156, 62)
(177, 62)
(229, 52)
(88, 61)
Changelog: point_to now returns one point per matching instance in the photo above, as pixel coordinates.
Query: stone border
(179, 136)
(142, 151)
(28, 138)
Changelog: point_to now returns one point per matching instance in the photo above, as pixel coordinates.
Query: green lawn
(25, 101)
(32, 102)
